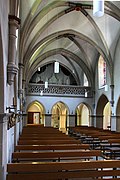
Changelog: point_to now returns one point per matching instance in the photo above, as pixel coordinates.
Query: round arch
(59, 115)
(36, 113)
(82, 114)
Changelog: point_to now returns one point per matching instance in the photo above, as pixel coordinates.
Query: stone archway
(36, 113)
(107, 116)
(103, 100)
(59, 116)
(82, 115)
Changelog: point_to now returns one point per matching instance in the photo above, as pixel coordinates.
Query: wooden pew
(57, 156)
(64, 170)
(46, 142)
(40, 130)
(45, 138)
(114, 140)
(51, 147)
(35, 134)
(112, 150)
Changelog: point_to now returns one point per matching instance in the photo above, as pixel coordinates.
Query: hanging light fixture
(46, 84)
(86, 94)
(41, 92)
(98, 8)
(106, 87)
(39, 69)
(56, 67)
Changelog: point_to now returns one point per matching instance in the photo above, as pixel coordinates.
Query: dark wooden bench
(45, 138)
(61, 155)
(41, 130)
(51, 147)
(43, 134)
(64, 170)
(45, 142)
(114, 140)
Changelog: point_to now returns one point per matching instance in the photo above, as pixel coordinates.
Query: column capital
(12, 70)
(14, 18)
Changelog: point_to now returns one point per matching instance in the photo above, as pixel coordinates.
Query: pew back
(64, 170)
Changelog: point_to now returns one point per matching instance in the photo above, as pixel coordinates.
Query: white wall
(117, 73)
(48, 102)
(10, 144)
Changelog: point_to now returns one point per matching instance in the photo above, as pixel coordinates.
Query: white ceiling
(54, 29)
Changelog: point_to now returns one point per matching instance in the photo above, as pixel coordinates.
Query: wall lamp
(10, 109)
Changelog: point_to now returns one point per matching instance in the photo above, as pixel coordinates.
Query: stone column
(47, 121)
(93, 120)
(118, 123)
(71, 120)
(112, 95)
(24, 120)
(20, 91)
(3, 145)
(113, 123)
(20, 123)
(16, 132)
(12, 68)
(99, 121)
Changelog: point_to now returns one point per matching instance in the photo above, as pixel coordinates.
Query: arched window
(101, 72)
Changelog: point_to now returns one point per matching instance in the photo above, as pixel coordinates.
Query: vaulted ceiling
(68, 32)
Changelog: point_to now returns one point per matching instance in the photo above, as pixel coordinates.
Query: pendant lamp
(46, 84)
(39, 69)
(106, 87)
(98, 8)
(41, 92)
(86, 94)
(56, 67)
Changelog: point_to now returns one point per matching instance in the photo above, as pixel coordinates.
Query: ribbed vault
(67, 31)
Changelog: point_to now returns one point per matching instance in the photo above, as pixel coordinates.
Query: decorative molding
(96, 116)
(13, 17)
(12, 70)
(58, 90)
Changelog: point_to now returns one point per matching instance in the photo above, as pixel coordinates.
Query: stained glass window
(101, 72)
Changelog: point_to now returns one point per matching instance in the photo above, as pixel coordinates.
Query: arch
(36, 113)
(103, 100)
(1, 75)
(82, 114)
(59, 115)
(56, 17)
(84, 67)
(107, 116)
(118, 116)
(80, 62)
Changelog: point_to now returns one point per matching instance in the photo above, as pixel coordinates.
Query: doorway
(103, 113)
(36, 113)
